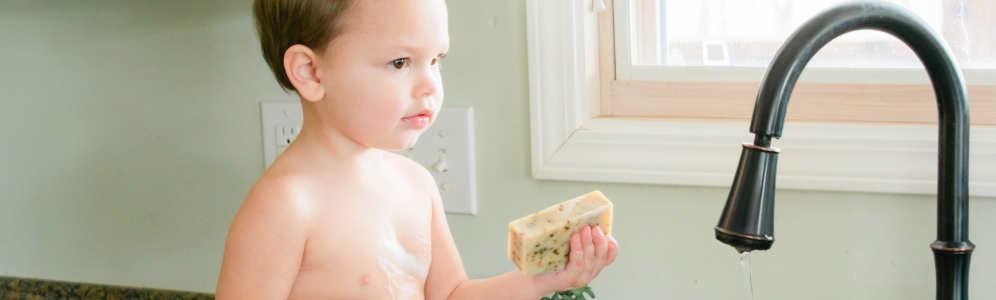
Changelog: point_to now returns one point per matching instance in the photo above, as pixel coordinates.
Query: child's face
(381, 75)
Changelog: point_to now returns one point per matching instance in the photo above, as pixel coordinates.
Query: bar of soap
(540, 243)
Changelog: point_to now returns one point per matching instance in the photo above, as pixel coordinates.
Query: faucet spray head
(748, 218)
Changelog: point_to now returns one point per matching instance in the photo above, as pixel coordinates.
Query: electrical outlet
(281, 124)
(284, 135)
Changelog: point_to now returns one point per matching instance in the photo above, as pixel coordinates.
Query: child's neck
(329, 148)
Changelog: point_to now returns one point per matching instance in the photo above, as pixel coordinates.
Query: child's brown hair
(281, 24)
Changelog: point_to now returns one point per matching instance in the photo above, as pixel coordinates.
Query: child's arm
(591, 250)
(265, 245)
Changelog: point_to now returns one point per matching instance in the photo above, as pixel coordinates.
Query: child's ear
(299, 63)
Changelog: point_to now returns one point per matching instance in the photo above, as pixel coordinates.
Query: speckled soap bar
(540, 243)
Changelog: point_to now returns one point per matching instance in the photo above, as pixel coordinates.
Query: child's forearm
(509, 286)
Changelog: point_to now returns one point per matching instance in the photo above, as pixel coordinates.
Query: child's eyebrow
(406, 48)
(414, 49)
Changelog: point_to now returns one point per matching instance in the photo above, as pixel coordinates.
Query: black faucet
(748, 218)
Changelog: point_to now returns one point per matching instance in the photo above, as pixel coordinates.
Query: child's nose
(428, 83)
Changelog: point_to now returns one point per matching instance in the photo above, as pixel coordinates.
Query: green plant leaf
(586, 289)
(573, 294)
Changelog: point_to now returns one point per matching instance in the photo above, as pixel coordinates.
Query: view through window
(747, 33)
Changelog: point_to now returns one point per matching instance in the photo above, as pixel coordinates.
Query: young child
(338, 217)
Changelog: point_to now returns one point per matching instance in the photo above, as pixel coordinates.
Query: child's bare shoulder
(282, 190)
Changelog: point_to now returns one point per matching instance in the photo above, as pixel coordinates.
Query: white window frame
(566, 144)
(625, 70)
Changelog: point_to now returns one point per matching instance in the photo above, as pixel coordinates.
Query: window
(733, 41)
(659, 119)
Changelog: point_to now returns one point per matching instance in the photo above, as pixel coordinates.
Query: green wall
(131, 133)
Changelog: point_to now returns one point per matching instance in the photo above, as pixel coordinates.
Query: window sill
(859, 158)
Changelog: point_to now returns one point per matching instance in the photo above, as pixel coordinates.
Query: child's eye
(400, 63)
(437, 61)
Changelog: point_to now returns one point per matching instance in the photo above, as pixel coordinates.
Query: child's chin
(399, 141)
(400, 145)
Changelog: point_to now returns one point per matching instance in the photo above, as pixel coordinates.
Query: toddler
(338, 217)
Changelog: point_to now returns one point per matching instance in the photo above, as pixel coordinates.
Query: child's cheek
(387, 107)
(388, 99)
(384, 95)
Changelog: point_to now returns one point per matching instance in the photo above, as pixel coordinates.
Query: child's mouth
(418, 121)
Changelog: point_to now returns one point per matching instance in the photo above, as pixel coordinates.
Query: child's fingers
(575, 265)
(576, 262)
(601, 245)
(613, 249)
(601, 250)
(562, 279)
(589, 253)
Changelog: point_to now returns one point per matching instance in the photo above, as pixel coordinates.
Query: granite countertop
(16, 288)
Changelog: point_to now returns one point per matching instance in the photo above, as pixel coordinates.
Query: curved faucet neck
(945, 75)
(786, 66)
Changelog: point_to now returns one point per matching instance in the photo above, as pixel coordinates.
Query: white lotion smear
(405, 271)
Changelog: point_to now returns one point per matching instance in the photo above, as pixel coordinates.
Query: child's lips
(418, 121)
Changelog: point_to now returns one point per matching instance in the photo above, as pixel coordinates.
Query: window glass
(747, 33)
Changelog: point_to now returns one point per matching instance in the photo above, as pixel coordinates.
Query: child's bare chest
(376, 246)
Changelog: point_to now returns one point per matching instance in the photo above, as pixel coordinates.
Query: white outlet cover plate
(277, 114)
(457, 125)
(459, 180)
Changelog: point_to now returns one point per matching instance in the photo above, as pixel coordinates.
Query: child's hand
(591, 250)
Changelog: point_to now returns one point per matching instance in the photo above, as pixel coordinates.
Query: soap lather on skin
(539, 244)
(405, 266)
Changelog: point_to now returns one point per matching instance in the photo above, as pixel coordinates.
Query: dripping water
(745, 265)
